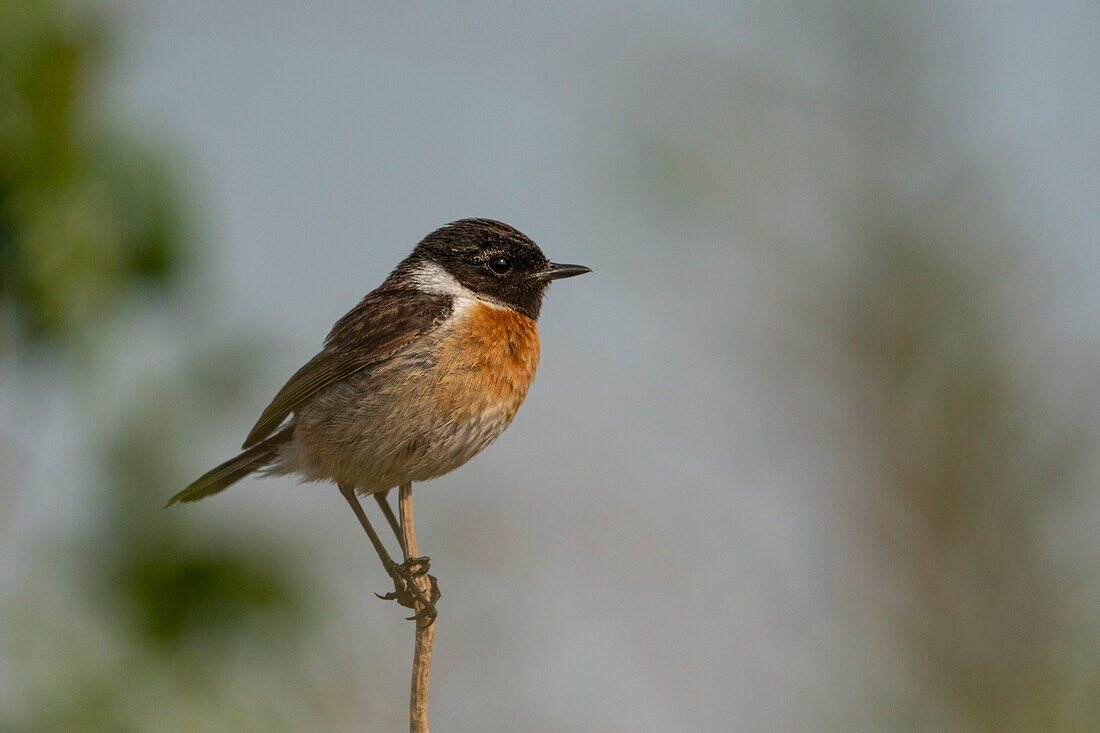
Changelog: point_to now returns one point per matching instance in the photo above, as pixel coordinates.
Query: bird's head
(487, 259)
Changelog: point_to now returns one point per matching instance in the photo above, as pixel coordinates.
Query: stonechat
(418, 378)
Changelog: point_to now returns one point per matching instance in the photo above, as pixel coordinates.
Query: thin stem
(425, 634)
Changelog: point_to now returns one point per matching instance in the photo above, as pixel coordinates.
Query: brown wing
(384, 323)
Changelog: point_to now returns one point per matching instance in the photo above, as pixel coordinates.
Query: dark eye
(500, 265)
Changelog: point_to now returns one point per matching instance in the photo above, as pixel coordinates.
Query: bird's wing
(382, 325)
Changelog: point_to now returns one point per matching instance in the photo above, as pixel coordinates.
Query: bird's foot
(416, 566)
(407, 592)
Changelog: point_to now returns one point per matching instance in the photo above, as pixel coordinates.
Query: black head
(490, 258)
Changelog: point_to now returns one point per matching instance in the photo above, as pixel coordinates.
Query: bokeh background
(815, 448)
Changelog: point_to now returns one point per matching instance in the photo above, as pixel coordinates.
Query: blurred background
(815, 448)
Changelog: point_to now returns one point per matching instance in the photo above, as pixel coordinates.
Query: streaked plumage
(418, 378)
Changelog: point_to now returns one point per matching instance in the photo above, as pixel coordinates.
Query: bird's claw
(416, 566)
(409, 595)
(427, 608)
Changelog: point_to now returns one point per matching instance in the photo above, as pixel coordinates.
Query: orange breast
(488, 361)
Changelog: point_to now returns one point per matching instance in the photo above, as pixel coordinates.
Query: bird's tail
(233, 470)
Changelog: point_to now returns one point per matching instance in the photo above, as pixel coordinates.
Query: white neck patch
(431, 277)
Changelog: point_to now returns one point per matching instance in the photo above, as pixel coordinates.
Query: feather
(384, 323)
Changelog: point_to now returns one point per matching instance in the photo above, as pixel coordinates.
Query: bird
(419, 377)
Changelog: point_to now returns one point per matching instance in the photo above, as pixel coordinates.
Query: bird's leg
(405, 590)
(383, 499)
(416, 566)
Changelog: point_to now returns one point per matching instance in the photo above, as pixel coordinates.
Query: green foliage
(132, 622)
(84, 219)
(180, 589)
(177, 595)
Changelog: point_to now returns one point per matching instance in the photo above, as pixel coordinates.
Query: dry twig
(425, 629)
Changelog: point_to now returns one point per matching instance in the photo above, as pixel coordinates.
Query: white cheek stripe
(433, 278)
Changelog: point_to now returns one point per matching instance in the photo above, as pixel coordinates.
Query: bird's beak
(556, 271)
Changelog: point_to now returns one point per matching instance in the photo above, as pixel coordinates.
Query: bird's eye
(500, 265)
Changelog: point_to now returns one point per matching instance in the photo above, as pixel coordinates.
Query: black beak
(557, 272)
